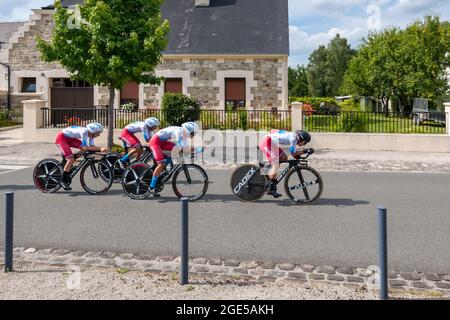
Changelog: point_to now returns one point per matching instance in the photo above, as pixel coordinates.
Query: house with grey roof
(226, 53)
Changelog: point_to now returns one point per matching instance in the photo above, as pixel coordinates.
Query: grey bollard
(9, 230)
(184, 270)
(383, 257)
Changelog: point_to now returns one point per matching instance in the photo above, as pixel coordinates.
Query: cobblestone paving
(256, 271)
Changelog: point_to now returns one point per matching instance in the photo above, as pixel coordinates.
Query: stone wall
(205, 85)
(25, 55)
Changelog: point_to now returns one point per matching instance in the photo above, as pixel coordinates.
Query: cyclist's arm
(146, 133)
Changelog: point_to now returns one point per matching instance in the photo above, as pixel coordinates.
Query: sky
(311, 22)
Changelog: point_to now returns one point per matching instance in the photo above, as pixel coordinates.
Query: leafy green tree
(317, 70)
(298, 82)
(111, 43)
(327, 67)
(399, 64)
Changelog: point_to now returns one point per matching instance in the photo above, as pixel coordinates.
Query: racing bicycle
(95, 173)
(188, 180)
(112, 159)
(302, 184)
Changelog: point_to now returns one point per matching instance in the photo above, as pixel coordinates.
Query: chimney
(202, 3)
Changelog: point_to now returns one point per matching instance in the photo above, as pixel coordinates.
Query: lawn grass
(372, 123)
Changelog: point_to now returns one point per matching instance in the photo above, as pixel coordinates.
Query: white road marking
(11, 168)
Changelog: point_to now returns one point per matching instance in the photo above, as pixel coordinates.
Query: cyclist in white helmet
(79, 138)
(162, 141)
(128, 135)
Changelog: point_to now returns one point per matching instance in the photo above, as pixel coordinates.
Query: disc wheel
(136, 181)
(303, 185)
(47, 175)
(93, 177)
(247, 185)
(190, 181)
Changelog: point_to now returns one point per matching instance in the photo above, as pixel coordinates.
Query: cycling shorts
(65, 144)
(130, 139)
(270, 149)
(158, 147)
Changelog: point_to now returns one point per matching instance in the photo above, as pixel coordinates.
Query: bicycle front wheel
(190, 181)
(247, 183)
(136, 181)
(96, 177)
(303, 185)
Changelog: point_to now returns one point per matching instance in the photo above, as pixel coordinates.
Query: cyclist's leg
(156, 145)
(65, 144)
(273, 154)
(133, 143)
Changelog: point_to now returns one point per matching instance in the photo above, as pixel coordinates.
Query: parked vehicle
(421, 113)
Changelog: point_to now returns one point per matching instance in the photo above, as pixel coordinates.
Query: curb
(351, 277)
(10, 128)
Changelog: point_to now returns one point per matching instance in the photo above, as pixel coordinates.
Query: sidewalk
(14, 151)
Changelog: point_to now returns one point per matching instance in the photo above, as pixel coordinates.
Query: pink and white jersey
(178, 134)
(284, 137)
(81, 133)
(139, 126)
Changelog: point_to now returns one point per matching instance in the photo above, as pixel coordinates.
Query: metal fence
(211, 119)
(246, 119)
(343, 121)
(371, 122)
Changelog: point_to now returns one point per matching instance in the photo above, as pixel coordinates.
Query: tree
(317, 69)
(117, 41)
(298, 82)
(402, 64)
(327, 67)
(338, 58)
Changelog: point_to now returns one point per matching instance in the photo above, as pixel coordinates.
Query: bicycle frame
(292, 164)
(76, 168)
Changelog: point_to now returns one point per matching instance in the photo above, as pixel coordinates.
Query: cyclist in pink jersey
(128, 135)
(161, 142)
(270, 146)
(79, 138)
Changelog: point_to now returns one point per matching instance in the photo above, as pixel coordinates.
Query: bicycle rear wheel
(303, 185)
(93, 177)
(190, 181)
(47, 175)
(136, 181)
(247, 185)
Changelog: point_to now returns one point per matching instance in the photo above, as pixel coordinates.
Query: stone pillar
(32, 118)
(297, 116)
(447, 116)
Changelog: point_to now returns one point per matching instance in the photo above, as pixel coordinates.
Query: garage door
(66, 93)
(72, 97)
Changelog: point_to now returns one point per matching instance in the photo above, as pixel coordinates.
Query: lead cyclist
(270, 146)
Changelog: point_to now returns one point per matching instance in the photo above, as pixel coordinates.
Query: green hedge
(179, 109)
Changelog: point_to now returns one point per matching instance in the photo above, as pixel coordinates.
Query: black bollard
(184, 271)
(383, 257)
(9, 230)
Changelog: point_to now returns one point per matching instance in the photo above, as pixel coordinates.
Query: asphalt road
(340, 230)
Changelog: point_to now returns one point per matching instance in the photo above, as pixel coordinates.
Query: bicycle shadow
(229, 198)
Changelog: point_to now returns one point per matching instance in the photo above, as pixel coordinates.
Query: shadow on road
(227, 198)
(15, 187)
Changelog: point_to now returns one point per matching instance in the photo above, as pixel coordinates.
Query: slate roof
(226, 27)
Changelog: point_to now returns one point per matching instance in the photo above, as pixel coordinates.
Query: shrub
(179, 109)
(350, 119)
(128, 107)
(315, 102)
